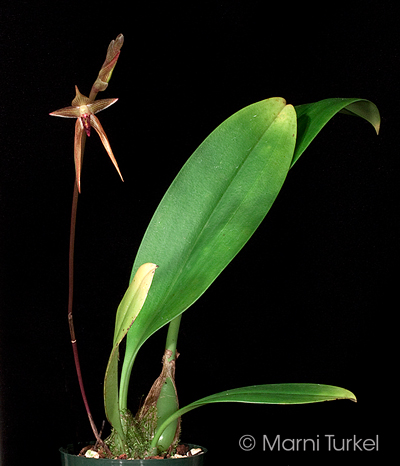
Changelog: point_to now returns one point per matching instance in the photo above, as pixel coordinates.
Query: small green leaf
(167, 404)
(282, 394)
(127, 312)
(111, 402)
(133, 300)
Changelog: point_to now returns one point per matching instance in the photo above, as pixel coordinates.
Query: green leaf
(211, 209)
(282, 394)
(311, 118)
(127, 312)
(167, 404)
(111, 402)
(133, 300)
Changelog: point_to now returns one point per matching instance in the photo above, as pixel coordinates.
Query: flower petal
(99, 105)
(78, 151)
(97, 126)
(67, 112)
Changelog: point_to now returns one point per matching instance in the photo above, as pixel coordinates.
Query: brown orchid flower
(84, 110)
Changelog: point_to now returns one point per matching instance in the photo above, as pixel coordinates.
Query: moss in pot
(209, 212)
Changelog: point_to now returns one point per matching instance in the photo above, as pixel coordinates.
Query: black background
(311, 298)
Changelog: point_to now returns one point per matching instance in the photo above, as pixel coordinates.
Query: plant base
(69, 458)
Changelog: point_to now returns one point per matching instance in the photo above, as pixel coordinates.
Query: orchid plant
(212, 208)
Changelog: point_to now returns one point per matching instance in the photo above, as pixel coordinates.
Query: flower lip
(85, 118)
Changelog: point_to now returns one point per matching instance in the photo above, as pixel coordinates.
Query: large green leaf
(311, 118)
(211, 209)
(217, 201)
(282, 394)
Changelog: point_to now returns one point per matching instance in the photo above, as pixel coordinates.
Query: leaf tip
(350, 396)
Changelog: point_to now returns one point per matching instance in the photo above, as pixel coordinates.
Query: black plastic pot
(69, 458)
